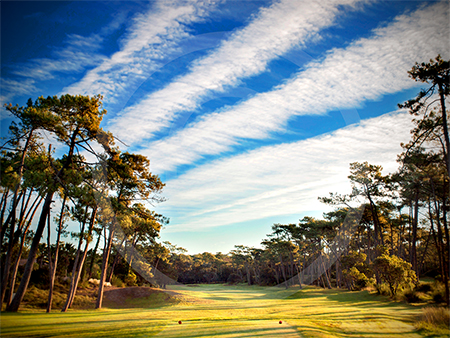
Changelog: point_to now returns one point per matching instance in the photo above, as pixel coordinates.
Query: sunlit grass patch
(229, 311)
(434, 321)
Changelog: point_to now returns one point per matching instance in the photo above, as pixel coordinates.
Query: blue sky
(248, 110)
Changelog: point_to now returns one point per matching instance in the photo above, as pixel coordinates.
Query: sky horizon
(248, 110)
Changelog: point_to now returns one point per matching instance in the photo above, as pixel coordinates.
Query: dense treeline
(390, 230)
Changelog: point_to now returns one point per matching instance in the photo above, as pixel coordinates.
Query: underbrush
(434, 321)
(36, 298)
(423, 292)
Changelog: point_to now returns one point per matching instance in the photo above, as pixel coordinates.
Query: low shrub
(423, 287)
(116, 281)
(412, 296)
(435, 320)
(438, 292)
(130, 279)
(383, 289)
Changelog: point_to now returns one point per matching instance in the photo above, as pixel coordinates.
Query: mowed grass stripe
(231, 311)
(230, 328)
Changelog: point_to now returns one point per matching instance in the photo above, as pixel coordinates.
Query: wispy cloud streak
(247, 52)
(283, 179)
(367, 69)
(77, 54)
(152, 37)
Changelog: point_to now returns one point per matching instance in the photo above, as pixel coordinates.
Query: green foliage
(355, 278)
(116, 281)
(130, 279)
(438, 292)
(394, 271)
(354, 270)
(413, 296)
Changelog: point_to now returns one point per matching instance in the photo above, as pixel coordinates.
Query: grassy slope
(230, 311)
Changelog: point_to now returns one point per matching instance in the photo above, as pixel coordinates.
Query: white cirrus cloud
(284, 179)
(272, 32)
(365, 70)
(153, 36)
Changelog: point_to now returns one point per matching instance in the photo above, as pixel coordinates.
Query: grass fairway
(230, 311)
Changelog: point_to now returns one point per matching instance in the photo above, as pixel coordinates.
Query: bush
(116, 281)
(355, 278)
(438, 292)
(436, 316)
(395, 271)
(234, 278)
(383, 289)
(130, 279)
(423, 287)
(412, 296)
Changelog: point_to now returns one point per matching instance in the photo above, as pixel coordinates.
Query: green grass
(231, 311)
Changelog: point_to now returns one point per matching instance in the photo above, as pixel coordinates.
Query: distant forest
(387, 233)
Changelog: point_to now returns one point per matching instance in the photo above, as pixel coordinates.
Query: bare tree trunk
(247, 268)
(3, 205)
(283, 271)
(116, 259)
(413, 252)
(445, 126)
(94, 253)
(7, 264)
(23, 235)
(277, 274)
(50, 266)
(55, 264)
(327, 279)
(14, 306)
(443, 247)
(75, 264)
(106, 252)
(79, 266)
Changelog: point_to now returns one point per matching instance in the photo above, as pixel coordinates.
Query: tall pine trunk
(14, 306)
(106, 253)
(55, 263)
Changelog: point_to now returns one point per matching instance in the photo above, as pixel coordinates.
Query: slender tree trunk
(277, 274)
(14, 306)
(445, 127)
(443, 247)
(116, 259)
(422, 261)
(94, 253)
(55, 264)
(50, 266)
(15, 202)
(7, 264)
(3, 204)
(23, 235)
(338, 279)
(247, 268)
(77, 266)
(283, 271)
(376, 222)
(413, 252)
(83, 258)
(106, 253)
(327, 279)
(5, 226)
(16, 238)
(299, 275)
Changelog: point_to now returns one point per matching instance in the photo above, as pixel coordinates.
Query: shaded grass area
(230, 311)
